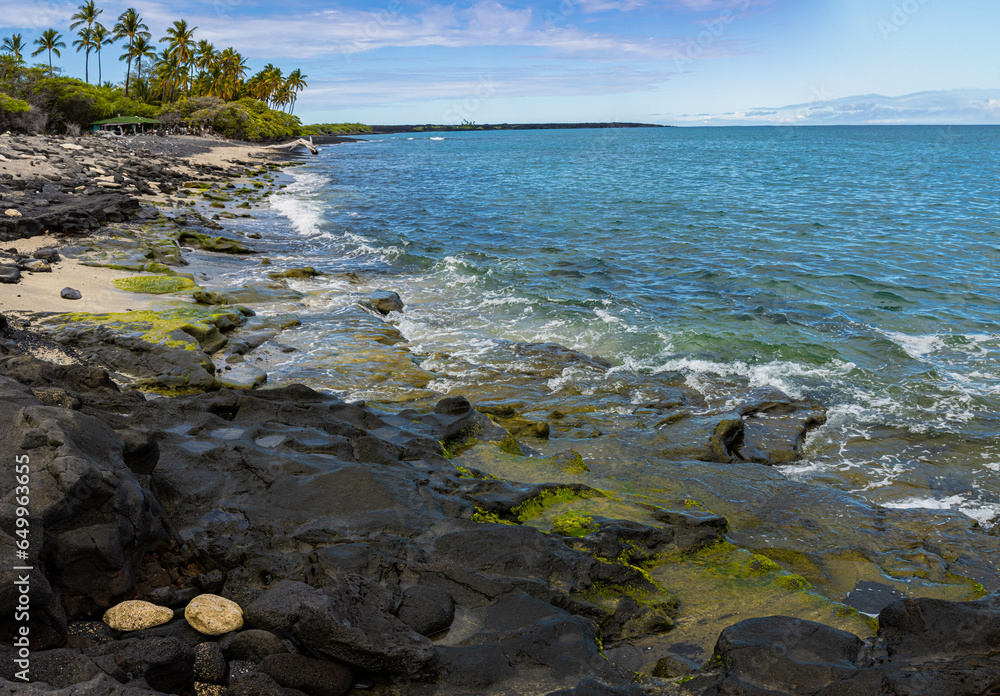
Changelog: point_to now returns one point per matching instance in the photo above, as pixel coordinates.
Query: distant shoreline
(438, 128)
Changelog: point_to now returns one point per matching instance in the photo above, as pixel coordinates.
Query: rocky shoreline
(287, 541)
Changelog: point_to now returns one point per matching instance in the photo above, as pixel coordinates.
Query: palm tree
(87, 14)
(180, 45)
(141, 48)
(51, 41)
(170, 72)
(295, 83)
(234, 69)
(204, 55)
(85, 42)
(15, 45)
(101, 37)
(130, 25)
(142, 90)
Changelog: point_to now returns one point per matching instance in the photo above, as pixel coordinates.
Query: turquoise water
(857, 267)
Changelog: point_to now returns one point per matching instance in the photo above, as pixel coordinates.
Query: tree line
(182, 68)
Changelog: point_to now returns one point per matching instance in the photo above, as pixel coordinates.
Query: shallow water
(853, 266)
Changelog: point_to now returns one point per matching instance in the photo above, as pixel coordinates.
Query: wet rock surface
(346, 539)
(394, 550)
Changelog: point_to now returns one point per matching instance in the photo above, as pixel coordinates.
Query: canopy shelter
(126, 124)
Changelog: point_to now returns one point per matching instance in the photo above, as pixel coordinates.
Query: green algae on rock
(155, 284)
(206, 242)
(164, 351)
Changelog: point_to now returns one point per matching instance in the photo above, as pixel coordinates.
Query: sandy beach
(40, 291)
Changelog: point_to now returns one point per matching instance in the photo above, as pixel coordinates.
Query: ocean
(856, 267)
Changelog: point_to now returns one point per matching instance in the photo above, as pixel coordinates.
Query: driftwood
(301, 142)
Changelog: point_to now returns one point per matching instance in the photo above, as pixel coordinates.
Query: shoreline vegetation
(194, 530)
(189, 84)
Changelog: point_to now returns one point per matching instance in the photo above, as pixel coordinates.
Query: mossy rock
(573, 523)
(196, 185)
(569, 461)
(208, 195)
(221, 245)
(304, 272)
(155, 285)
(160, 269)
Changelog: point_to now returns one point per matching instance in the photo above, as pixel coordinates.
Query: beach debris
(213, 615)
(308, 144)
(136, 615)
(71, 294)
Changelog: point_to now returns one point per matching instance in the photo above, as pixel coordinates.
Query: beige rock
(213, 615)
(135, 615)
(70, 146)
(38, 266)
(10, 212)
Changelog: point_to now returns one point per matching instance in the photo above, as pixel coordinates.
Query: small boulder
(427, 610)
(166, 664)
(383, 302)
(141, 452)
(37, 266)
(10, 212)
(135, 615)
(209, 664)
(47, 255)
(255, 684)
(254, 645)
(9, 274)
(214, 615)
(71, 294)
(304, 272)
(314, 677)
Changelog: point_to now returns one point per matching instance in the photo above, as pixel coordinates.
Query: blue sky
(685, 62)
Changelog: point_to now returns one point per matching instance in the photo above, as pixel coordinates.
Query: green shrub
(72, 102)
(336, 129)
(9, 105)
(246, 119)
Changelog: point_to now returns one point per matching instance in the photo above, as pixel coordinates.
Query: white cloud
(954, 107)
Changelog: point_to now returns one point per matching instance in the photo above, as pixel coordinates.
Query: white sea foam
(779, 374)
(984, 513)
(298, 205)
(917, 347)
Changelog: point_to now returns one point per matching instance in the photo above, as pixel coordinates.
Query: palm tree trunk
(128, 66)
(100, 74)
(86, 67)
(50, 62)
